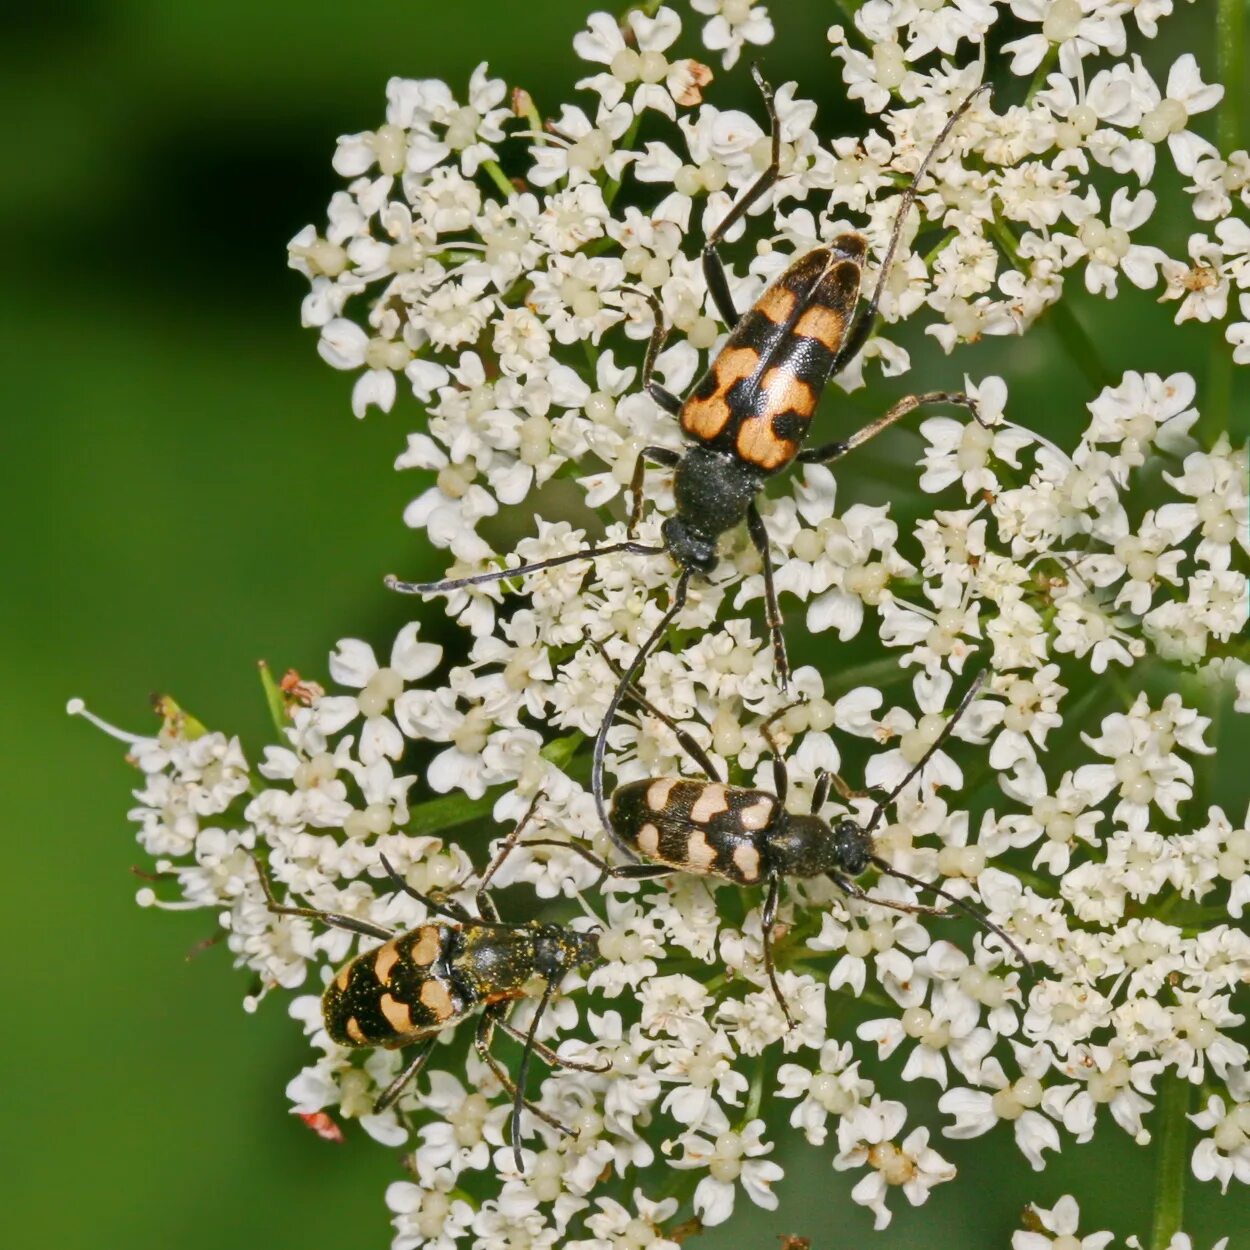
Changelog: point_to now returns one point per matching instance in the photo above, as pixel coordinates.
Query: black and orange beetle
(713, 829)
(416, 984)
(749, 414)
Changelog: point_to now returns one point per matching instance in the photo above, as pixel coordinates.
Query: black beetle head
(851, 848)
(691, 549)
(558, 950)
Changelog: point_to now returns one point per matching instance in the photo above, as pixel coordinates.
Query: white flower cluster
(1057, 1227)
(510, 302)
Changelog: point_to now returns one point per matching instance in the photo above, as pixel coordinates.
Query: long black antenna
(869, 315)
(970, 694)
(499, 575)
(518, 1097)
(618, 695)
(962, 904)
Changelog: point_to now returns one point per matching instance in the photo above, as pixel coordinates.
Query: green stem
(755, 1096)
(1230, 51)
(1039, 78)
(529, 110)
(1215, 411)
(273, 699)
(1230, 48)
(612, 188)
(499, 178)
(1071, 333)
(1171, 1162)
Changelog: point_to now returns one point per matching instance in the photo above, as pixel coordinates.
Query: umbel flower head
(504, 260)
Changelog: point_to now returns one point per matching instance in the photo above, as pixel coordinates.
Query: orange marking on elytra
(755, 816)
(746, 859)
(658, 792)
(343, 980)
(700, 853)
(711, 802)
(649, 840)
(824, 324)
(435, 996)
(386, 958)
(780, 392)
(425, 949)
(397, 1014)
(354, 1031)
(777, 304)
(706, 418)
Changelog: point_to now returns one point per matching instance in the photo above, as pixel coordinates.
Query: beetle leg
(443, 906)
(844, 791)
(685, 741)
(623, 872)
(866, 322)
(663, 456)
(767, 919)
(599, 750)
(713, 268)
(820, 791)
(481, 1041)
(659, 332)
(407, 1074)
(853, 890)
(485, 904)
(908, 404)
(507, 574)
(333, 918)
(772, 611)
(549, 1056)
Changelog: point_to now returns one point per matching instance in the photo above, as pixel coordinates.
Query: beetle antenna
(508, 845)
(962, 904)
(618, 696)
(877, 812)
(909, 198)
(518, 1097)
(684, 739)
(520, 570)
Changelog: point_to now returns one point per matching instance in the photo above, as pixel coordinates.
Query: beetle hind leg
(713, 267)
(829, 452)
(772, 609)
(549, 1056)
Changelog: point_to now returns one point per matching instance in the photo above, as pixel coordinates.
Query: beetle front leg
(772, 610)
(666, 458)
(482, 1043)
(829, 452)
(767, 919)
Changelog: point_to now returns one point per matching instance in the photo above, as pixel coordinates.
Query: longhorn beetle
(713, 829)
(748, 416)
(418, 983)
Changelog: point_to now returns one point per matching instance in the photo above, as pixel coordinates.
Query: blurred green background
(186, 491)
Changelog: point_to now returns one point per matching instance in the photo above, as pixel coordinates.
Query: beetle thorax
(712, 492)
(808, 846)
